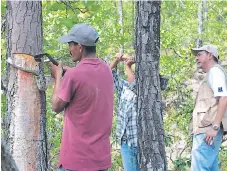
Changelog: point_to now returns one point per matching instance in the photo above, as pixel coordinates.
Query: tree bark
(121, 22)
(205, 10)
(24, 126)
(7, 162)
(152, 156)
(199, 41)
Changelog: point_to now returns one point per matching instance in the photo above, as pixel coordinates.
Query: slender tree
(199, 41)
(121, 22)
(152, 154)
(25, 122)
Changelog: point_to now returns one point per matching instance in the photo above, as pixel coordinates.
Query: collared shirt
(126, 110)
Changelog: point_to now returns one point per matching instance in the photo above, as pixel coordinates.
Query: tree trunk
(152, 154)
(24, 126)
(199, 41)
(133, 25)
(7, 162)
(121, 22)
(205, 17)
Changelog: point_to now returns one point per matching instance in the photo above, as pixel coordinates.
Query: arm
(118, 57)
(118, 82)
(221, 110)
(129, 72)
(114, 63)
(216, 80)
(58, 105)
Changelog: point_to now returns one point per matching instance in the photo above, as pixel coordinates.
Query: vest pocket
(204, 119)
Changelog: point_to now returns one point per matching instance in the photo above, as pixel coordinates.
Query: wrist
(128, 66)
(117, 59)
(216, 127)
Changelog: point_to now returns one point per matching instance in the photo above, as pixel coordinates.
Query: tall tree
(199, 41)
(24, 125)
(121, 22)
(152, 154)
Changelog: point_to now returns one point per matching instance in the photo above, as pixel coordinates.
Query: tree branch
(223, 18)
(3, 26)
(3, 88)
(176, 52)
(68, 5)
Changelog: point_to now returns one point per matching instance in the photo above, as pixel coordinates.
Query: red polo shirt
(85, 144)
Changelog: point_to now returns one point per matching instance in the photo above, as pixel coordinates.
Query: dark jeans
(62, 169)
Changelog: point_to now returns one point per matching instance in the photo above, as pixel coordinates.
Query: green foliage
(3, 7)
(223, 158)
(181, 164)
(3, 112)
(54, 131)
(116, 160)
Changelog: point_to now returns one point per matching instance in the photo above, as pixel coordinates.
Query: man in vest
(210, 112)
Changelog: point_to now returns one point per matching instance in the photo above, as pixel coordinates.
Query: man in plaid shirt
(126, 113)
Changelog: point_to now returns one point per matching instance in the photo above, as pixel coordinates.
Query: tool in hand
(51, 59)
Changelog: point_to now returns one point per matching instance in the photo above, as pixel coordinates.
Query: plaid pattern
(126, 110)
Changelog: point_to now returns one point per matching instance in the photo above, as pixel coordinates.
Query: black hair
(215, 59)
(88, 49)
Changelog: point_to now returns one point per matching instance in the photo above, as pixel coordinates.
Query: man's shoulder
(217, 70)
(72, 71)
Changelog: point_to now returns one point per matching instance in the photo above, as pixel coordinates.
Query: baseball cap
(83, 34)
(209, 48)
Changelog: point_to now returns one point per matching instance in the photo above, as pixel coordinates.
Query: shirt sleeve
(118, 81)
(132, 86)
(68, 87)
(217, 81)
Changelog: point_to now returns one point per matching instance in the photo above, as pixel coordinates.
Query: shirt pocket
(204, 117)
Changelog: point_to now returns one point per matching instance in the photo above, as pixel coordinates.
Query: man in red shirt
(86, 95)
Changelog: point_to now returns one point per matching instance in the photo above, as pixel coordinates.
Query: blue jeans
(205, 157)
(129, 157)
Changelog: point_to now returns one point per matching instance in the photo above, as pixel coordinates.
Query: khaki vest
(206, 107)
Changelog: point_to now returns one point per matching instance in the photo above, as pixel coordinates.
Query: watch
(215, 127)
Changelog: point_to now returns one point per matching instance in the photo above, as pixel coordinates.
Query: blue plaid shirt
(126, 110)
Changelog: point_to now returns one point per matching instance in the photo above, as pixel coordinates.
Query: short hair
(214, 58)
(88, 49)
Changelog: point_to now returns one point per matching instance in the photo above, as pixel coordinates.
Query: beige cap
(209, 48)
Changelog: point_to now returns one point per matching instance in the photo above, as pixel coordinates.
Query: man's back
(88, 118)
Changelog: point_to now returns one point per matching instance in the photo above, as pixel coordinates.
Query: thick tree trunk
(150, 121)
(24, 126)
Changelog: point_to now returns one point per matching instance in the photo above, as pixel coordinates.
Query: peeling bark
(152, 156)
(24, 126)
